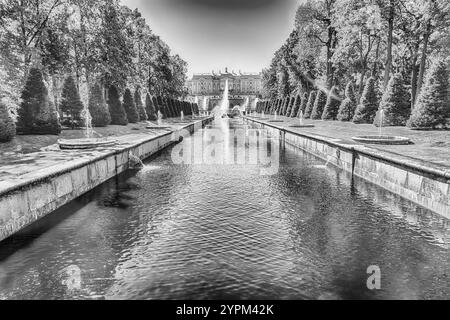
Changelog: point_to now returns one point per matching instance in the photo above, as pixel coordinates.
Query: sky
(214, 34)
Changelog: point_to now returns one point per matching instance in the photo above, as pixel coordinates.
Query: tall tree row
(94, 41)
(336, 42)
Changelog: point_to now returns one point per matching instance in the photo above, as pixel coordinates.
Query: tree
(348, 106)
(368, 106)
(139, 105)
(150, 108)
(7, 126)
(98, 108)
(37, 115)
(332, 106)
(116, 109)
(395, 103)
(319, 105)
(310, 105)
(71, 105)
(314, 21)
(433, 107)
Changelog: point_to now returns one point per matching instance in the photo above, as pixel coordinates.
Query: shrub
(396, 104)
(130, 107)
(160, 106)
(319, 105)
(7, 126)
(150, 108)
(98, 108)
(348, 106)
(71, 105)
(432, 106)
(368, 106)
(139, 105)
(155, 105)
(116, 109)
(295, 106)
(285, 106)
(36, 114)
(332, 106)
(303, 104)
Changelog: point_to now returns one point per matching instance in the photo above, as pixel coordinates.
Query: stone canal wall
(27, 201)
(425, 185)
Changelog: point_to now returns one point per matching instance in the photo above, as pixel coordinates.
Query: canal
(209, 231)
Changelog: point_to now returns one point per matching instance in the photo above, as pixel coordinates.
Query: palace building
(208, 88)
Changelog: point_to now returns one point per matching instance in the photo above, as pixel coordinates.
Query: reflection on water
(208, 232)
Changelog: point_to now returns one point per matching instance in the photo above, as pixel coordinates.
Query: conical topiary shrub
(332, 106)
(155, 105)
(47, 121)
(36, 115)
(161, 107)
(310, 105)
(295, 106)
(432, 107)
(173, 109)
(285, 105)
(98, 108)
(396, 104)
(7, 126)
(130, 107)
(303, 104)
(319, 105)
(116, 109)
(71, 106)
(150, 108)
(368, 106)
(348, 106)
(139, 105)
(290, 103)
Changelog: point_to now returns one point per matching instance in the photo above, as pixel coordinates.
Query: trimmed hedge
(432, 106)
(348, 106)
(116, 109)
(7, 126)
(368, 106)
(98, 108)
(37, 114)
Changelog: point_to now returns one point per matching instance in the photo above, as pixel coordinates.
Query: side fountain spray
(88, 142)
(222, 110)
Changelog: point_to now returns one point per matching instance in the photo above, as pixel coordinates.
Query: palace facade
(208, 88)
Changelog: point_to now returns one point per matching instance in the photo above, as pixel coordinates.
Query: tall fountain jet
(222, 109)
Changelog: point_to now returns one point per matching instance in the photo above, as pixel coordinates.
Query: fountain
(88, 142)
(159, 123)
(134, 162)
(221, 111)
(383, 139)
(275, 118)
(182, 115)
(302, 122)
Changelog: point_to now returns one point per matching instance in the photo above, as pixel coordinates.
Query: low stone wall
(29, 201)
(424, 185)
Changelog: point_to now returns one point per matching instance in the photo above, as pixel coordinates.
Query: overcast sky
(214, 34)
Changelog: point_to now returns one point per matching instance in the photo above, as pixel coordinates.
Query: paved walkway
(17, 166)
(431, 147)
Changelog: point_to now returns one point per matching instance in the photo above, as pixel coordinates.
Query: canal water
(231, 231)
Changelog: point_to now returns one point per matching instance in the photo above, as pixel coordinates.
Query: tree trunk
(426, 39)
(375, 64)
(414, 74)
(388, 66)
